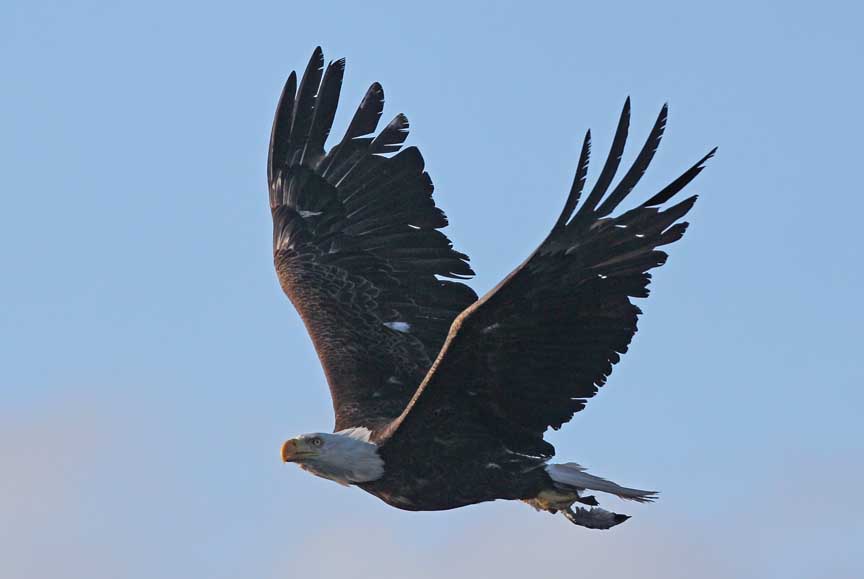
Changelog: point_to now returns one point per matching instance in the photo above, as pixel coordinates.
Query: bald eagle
(442, 399)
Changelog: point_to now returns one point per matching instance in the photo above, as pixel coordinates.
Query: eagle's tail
(573, 475)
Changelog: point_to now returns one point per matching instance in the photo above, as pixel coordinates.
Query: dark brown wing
(357, 247)
(530, 353)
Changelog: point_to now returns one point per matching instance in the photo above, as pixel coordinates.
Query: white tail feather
(574, 475)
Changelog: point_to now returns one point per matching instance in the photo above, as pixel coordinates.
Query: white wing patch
(403, 327)
(305, 214)
(491, 328)
(360, 433)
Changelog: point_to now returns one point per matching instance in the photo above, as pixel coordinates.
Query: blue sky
(151, 366)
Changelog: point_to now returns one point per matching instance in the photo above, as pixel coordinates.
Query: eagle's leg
(593, 518)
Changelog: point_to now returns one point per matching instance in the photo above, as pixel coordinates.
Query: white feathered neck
(346, 457)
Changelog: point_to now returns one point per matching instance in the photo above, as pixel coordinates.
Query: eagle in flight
(442, 398)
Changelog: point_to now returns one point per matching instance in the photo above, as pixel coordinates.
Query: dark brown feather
(357, 248)
(528, 354)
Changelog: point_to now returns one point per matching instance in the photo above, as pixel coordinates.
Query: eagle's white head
(347, 456)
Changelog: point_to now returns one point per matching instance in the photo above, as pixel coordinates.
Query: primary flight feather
(442, 399)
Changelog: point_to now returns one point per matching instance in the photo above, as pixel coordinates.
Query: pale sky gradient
(151, 366)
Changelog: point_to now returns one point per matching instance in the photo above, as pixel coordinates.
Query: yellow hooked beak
(294, 450)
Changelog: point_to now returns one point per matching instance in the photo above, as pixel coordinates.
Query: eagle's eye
(317, 441)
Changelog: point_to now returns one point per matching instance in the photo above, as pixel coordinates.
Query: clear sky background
(151, 366)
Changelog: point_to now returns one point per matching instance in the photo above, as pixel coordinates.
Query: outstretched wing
(357, 246)
(530, 353)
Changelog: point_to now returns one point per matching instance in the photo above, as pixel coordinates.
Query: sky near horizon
(151, 366)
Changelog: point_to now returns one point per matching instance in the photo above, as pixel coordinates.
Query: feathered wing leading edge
(357, 246)
(529, 353)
